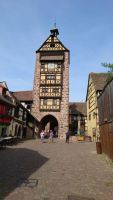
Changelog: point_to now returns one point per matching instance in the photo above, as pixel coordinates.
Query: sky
(85, 27)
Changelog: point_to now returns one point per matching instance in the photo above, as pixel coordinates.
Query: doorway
(49, 122)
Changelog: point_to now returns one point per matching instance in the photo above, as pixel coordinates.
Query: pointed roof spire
(54, 31)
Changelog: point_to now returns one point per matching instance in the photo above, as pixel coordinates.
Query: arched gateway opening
(48, 123)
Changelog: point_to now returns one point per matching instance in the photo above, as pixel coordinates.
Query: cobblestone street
(57, 171)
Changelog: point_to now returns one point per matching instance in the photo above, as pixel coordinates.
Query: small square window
(52, 45)
(89, 116)
(45, 102)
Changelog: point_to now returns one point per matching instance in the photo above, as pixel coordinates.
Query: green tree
(110, 71)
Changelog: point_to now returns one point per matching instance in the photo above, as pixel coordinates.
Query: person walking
(34, 135)
(42, 134)
(51, 136)
(67, 136)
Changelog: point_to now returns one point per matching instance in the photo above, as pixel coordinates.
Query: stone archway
(49, 122)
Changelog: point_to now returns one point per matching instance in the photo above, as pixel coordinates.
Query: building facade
(25, 97)
(96, 83)
(15, 119)
(78, 118)
(6, 109)
(51, 85)
(105, 108)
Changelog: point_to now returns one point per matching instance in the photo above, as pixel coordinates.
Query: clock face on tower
(51, 66)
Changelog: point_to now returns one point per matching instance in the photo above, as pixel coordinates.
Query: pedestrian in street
(67, 136)
(51, 136)
(42, 134)
(34, 132)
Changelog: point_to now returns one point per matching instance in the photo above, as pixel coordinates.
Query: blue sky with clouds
(85, 26)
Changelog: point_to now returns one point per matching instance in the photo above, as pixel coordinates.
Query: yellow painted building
(96, 83)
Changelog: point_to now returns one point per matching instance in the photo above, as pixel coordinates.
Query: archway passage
(48, 123)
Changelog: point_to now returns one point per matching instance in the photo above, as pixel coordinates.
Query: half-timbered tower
(51, 85)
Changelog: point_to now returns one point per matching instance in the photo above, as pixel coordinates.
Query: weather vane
(54, 31)
(55, 23)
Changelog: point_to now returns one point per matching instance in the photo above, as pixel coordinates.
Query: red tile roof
(24, 95)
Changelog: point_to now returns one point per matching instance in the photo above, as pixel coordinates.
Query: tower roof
(52, 43)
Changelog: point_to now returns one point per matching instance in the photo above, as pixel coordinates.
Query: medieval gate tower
(51, 85)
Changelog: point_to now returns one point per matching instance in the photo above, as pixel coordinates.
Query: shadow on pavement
(16, 165)
(76, 197)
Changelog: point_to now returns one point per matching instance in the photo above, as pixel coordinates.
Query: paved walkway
(35, 171)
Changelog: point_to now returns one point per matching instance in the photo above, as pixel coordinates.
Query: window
(93, 115)
(90, 116)
(44, 89)
(55, 89)
(16, 112)
(50, 104)
(10, 111)
(75, 118)
(44, 101)
(89, 104)
(54, 102)
(4, 132)
(51, 67)
(58, 79)
(52, 45)
(28, 106)
(50, 91)
(42, 67)
(42, 79)
(50, 77)
(59, 65)
(94, 132)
